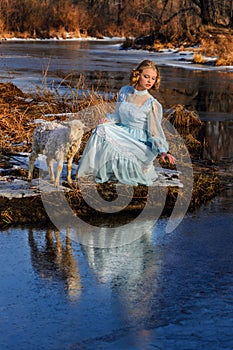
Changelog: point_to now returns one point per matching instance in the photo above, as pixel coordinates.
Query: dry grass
(206, 186)
(225, 60)
(211, 43)
(187, 124)
(6, 217)
(179, 116)
(219, 46)
(198, 58)
(193, 145)
(19, 111)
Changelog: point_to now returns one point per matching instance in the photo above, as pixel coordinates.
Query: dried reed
(18, 111)
(198, 58)
(179, 116)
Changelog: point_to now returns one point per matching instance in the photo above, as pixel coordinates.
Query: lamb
(58, 141)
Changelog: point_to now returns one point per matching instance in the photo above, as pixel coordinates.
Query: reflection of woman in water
(123, 147)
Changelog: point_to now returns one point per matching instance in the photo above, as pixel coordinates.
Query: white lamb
(58, 141)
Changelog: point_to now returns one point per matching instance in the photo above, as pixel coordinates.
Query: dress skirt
(117, 152)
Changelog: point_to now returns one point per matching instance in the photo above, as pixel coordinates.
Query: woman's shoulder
(124, 91)
(127, 88)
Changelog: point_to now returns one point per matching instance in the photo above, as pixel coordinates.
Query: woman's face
(147, 79)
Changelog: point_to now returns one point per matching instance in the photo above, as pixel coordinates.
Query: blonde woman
(125, 143)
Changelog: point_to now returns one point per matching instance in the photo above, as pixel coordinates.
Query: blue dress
(124, 148)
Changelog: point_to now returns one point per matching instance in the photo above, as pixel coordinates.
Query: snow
(12, 186)
(68, 38)
(18, 187)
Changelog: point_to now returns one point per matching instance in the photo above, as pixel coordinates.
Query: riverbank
(19, 113)
(210, 46)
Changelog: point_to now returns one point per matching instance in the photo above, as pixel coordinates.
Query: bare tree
(215, 12)
(164, 19)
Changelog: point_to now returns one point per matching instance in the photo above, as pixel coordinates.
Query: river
(159, 291)
(48, 64)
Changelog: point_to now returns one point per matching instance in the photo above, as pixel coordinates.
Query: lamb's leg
(50, 168)
(32, 159)
(59, 170)
(69, 168)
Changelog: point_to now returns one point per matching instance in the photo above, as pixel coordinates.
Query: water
(206, 89)
(162, 291)
(31, 64)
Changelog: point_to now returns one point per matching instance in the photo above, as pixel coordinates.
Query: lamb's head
(77, 129)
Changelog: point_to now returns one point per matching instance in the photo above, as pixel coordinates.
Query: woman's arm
(157, 136)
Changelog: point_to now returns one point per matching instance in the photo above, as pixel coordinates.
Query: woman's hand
(104, 120)
(168, 157)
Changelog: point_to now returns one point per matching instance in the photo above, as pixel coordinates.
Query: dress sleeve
(115, 116)
(157, 136)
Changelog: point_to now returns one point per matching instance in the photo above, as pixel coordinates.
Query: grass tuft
(179, 116)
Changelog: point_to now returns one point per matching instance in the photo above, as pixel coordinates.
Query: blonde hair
(135, 74)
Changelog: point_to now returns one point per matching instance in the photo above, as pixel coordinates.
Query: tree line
(169, 19)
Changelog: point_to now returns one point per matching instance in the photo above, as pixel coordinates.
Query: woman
(123, 147)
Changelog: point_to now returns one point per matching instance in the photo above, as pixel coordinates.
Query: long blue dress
(124, 148)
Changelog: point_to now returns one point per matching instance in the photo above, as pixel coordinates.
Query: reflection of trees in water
(206, 92)
(215, 138)
(132, 270)
(216, 95)
(218, 140)
(53, 259)
(211, 95)
(219, 100)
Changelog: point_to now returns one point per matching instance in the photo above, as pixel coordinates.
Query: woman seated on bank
(125, 143)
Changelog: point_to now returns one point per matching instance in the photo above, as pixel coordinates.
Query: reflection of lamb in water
(55, 260)
(58, 141)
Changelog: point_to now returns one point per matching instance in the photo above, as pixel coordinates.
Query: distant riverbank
(212, 50)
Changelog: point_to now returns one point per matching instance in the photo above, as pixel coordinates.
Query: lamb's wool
(58, 141)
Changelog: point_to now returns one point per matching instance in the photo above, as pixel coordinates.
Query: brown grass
(179, 116)
(19, 111)
(206, 186)
(198, 58)
(225, 60)
(6, 217)
(219, 46)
